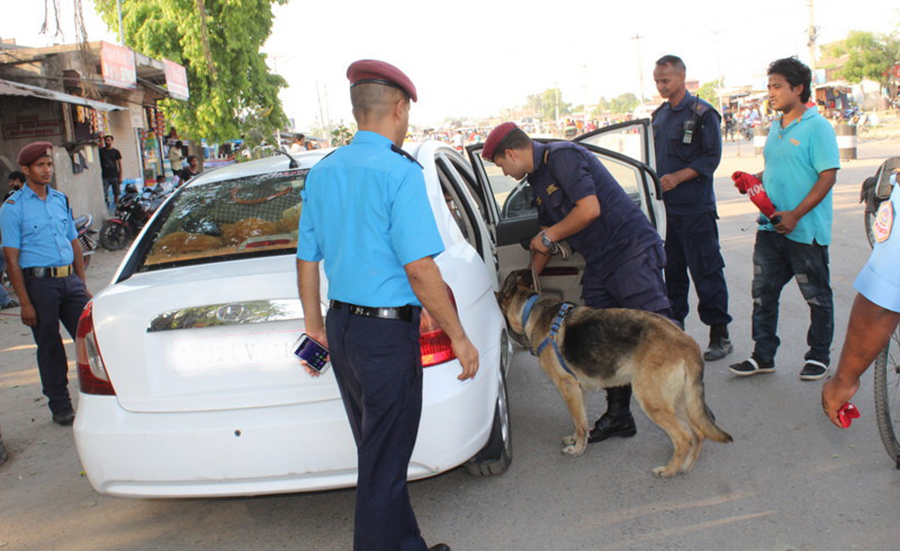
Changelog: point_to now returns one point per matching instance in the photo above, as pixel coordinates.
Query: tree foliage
(869, 56)
(708, 92)
(231, 89)
(624, 103)
(545, 104)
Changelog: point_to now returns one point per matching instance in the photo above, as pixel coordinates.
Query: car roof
(305, 160)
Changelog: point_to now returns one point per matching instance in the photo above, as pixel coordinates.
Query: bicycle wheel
(887, 395)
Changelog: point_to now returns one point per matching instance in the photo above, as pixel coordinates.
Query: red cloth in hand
(753, 186)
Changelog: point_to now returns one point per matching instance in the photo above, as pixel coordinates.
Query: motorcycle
(133, 210)
(86, 237)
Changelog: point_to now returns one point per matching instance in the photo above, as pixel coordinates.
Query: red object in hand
(847, 414)
(753, 186)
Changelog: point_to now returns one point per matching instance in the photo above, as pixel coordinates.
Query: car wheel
(496, 456)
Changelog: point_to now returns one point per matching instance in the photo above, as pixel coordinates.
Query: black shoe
(439, 547)
(719, 343)
(64, 418)
(751, 366)
(10, 304)
(813, 370)
(609, 425)
(4, 455)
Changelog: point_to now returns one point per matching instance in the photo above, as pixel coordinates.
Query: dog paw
(570, 440)
(574, 449)
(662, 472)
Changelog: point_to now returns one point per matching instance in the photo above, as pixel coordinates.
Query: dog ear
(525, 279)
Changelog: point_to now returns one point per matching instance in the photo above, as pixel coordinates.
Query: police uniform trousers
(378, 368)
(55, 300)
(692, 243)
(636, 282)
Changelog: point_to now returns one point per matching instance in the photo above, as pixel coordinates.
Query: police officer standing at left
(45, 264)
(688, 142)
(366, 214)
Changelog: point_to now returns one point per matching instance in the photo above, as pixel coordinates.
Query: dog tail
(701, 418)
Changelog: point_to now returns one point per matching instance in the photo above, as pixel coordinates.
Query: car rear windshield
(224, 220)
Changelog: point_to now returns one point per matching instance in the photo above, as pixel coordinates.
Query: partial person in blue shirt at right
(876, 310)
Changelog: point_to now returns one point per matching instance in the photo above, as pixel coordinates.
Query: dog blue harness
(554, 329)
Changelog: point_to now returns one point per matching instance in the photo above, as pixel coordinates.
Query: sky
(474, 58)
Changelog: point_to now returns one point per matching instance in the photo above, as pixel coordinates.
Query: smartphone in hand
(314, 354)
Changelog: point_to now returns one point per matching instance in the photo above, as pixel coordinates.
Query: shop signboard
(118, 66)
(176, 80)
(28, 127)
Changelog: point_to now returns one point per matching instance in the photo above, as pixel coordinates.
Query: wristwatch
(545, 239)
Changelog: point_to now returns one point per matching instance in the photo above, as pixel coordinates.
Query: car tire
(114, 236)
(496, 455)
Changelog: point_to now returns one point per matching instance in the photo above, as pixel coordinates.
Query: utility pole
(813, 37)
(637, 38)
(121, 27)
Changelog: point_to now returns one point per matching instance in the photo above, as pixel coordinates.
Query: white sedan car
(188, 383)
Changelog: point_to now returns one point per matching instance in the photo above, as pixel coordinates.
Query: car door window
(628, 138)
(463, 211)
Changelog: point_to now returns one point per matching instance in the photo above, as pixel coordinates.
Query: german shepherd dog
(601, 348)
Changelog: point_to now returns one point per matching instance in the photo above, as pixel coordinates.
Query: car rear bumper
(267, 450)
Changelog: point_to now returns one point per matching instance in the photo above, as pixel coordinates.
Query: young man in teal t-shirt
(801, 164)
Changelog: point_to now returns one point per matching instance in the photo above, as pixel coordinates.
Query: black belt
(52, 271)
(402, 313)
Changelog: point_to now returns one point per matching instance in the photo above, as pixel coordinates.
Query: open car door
(626, 150)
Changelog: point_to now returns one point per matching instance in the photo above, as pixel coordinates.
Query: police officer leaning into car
(688, 143)
(578, 200)
(45, 264)
(366, 214)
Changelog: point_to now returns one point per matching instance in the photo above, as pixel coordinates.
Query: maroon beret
(495, 137)
(34, 151)
(378, 72)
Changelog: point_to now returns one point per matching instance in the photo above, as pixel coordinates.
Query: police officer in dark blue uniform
(688, 142)
(46, 266)
(579, 201)
(366, 214)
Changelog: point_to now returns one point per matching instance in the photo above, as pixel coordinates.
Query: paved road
(790, 481)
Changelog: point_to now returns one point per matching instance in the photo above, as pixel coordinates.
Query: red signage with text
(176, 80)
(118, 66)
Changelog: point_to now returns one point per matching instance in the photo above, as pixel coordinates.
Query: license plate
(272, 351)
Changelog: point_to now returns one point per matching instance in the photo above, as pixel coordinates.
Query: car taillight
(92, 376)
(433, 342)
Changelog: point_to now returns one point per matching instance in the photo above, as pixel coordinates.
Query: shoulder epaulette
(704, 106)
(657, 110)
(396, 149)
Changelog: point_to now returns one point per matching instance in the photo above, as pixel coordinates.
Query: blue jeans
(777, 259)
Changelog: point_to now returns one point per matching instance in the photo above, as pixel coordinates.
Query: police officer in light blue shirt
(366, 214)
(876, 310)
(46, 266)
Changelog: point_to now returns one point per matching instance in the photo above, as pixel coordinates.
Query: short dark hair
(191, 158)
(672, 60)
(795, 72)
(299, 137)
(516, 139)
(110, 136)
(16, 175)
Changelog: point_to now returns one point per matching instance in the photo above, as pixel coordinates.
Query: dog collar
(526, 312)
(551, 338)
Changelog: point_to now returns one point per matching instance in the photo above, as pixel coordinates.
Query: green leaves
(232, 91)
(869, 56)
